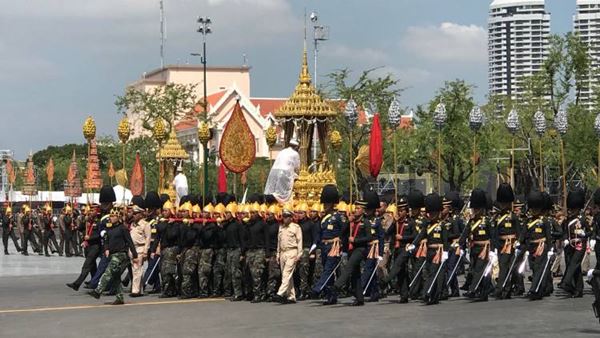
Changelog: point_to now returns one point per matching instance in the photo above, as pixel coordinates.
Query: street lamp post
(205, 29)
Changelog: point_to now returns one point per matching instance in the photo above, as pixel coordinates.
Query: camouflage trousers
(205, 257)
(274, 276)
(218, 270)
(233, 272)
(112, 275)
(303, 275)
(255, 259)
(189, 259)
(168, 271)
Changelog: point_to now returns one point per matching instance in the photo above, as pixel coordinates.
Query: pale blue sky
(61, 60)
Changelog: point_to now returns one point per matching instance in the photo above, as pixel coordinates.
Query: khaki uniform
(289, 251)
(140, 234)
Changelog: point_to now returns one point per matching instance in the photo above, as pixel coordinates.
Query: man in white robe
(283, 173)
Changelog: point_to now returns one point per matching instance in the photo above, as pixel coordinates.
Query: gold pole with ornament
(271, 138)
(159, 133)
(561, 125)
(124, 131)
(539, 122)
(204, 137)
(89, 133)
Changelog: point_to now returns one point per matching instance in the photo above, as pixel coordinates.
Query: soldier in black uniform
(69, 231)
(455, 225)
(508, 229)
(205, 242)
(151, 275)
(416, 203)
(576, 231)
(435, 235)
(310, 238)
(360, 234)
(49, 237)
(220, 253)
(479, 231)
(235, 241)
(596, 228)
(537, 239)
(401, 234)
(8, 230)
(256, 252)
(27, 223)
(189, 237)
(332, 226)
(167, 244)
(273, 268)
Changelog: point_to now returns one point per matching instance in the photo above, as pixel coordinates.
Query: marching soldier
(536, 237)
(576, 231)
(310, 238)
(332, 225)
(416, 202)
(289, 251)
(69, 231)
(273, 267)
(596, 229)
(454, 226)
(256, 248)
(117, 244)
(49, 237)
(220, 253)
(188, 258)
(369, 279)
(508, 229)
(360, 235)
(479, 231)
(316, 264)
(206, 230)
(151, 275)
(141, 233)
(235, 244)
(8, 230)
(27, 224)
(401, 234)
(167, 245)
(435, 236)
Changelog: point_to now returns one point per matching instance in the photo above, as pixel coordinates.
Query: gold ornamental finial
(89, 128)
(304, 73)
(335, 139)
(124, 130)
(203, 132)
(271, 136)
(159, 131)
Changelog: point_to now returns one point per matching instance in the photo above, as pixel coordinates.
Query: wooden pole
(474, 160)
(512, 163)
(541, 167)
(351, 162)
(395, 170)
(564, 174)
(439, 187)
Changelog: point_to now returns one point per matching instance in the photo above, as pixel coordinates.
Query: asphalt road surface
(34, 302)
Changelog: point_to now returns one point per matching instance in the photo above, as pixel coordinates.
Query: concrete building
(586, 23)
(518, 39)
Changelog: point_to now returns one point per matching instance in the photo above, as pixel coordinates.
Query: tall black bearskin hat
(164, 198)
(478, 200)
(204, 201)
(138, 200)
(536, 200)
(433, 203)
(193, 199)
(505, 193)
(455, 201)
(270, 199)
(576, 199)
(597, 197)
(548, 203)
(330, 194)
(107, 194)
(370, 200)
(153, 200)
(416, 200)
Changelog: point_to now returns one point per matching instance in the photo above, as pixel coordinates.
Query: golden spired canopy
(172, 150)
(304, 111)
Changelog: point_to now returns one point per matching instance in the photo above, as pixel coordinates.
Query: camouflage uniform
(168, 271)
(188, 270)
(273, 268)
(256, 265)
(112, 275)
(220, 255)
(233, 275)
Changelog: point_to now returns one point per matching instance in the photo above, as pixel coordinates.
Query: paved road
(34, 305)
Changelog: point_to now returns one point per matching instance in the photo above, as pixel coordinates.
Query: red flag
(222, 179)
(136, 184)
(375, 148)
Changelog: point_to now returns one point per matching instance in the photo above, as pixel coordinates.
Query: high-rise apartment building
(586, 23)
(518, 38)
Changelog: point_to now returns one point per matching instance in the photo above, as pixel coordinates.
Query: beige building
(217, 80)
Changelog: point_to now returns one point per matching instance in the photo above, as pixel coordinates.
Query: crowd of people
(414, 246)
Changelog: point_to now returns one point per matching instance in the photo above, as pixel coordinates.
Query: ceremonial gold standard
(89, 128)
(271, 136)
(203, 132)
(238, 148)
(335, 139)
(159, 131)
(124, 130)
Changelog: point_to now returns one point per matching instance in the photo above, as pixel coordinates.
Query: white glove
(590, 274)
(102, 233)
(566, 242)
(517, 244)
(550, 253)
(411, 247)
(454, 245)
(379, 259)
(493, 256)
(312, 248)
(580, 232)
(462, 252)
(592, 244)
(444, 256)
